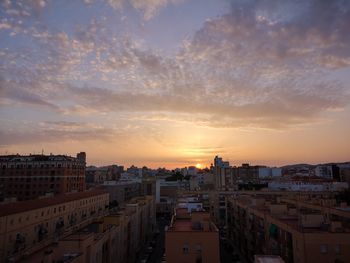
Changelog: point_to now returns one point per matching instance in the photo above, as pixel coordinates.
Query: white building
(324, 171)
(307, 186)
(192, 170)
(268, 172)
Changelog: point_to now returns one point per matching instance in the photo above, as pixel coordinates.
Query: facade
(28, 177)
(192, 237)
(268, 259)
(117, 237)
(324, 171)
(248, 174)
(166, 195)
(202, 181)
(269, 172)
(192, 170)
(122, 191)
(28, 225)
(303, 185)
(222, 173)
(97, 175)
(228, 177)
(296, 228)
(344, 172)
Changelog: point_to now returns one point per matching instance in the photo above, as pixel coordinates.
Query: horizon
(198, 165)
(173, 83)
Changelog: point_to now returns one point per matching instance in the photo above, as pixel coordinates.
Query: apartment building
(29, 225)
(122, 191)
(298, 229)
(117, 237)
(26, 177)
(191, 237)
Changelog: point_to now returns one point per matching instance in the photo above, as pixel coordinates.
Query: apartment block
(117, 237)
(29, 225)
(26, 177)
(191, 237)
(122, 191)
(298, 229)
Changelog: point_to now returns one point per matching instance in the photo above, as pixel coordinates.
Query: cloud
(148, 8)
(259, 66)
(63, 131)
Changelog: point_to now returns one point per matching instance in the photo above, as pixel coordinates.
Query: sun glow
(198, 166)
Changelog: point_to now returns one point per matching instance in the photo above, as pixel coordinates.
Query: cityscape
(174, 131)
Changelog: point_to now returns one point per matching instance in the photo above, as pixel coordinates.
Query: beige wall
(27, 224)
(309, 244)
(322, 247)
(208, 242)
(118, 239)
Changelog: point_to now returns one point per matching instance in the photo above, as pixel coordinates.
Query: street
(158, 247)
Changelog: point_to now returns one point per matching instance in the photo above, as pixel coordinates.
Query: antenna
(42, 151)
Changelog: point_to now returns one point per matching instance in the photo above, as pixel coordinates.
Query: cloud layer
(262, 64)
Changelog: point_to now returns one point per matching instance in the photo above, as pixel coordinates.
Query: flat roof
(268, 259)
(24, 206)
(184, 225)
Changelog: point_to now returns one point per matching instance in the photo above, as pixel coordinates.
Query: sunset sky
(175, 82)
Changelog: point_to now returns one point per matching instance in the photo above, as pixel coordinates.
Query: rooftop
(196, 221)
(268, 259)
(184, 225)
(24, 206)
(35, 157)
(306, 219)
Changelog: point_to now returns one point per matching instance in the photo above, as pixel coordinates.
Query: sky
(172, 83)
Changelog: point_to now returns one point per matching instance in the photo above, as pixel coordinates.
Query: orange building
(192, 238)
(27, 177)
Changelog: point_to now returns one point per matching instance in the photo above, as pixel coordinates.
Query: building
(28, 225)
(166, 196)
(192, 170)
(228, 177)
(26, 177)
(302, 185)
(324, 171)
(97, 175)
(248, 174)
(117, 237)
(191, 237)
(122, 191)
(344, 173)
(202, 181)
(298, 228)
(222, 173)
(191, 203)
(268, 259)
(269, 172)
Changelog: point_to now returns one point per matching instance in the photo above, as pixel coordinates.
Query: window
(185, 249)
(198, 248)
(338, 249)
(323, 249)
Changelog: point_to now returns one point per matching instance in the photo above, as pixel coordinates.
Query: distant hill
(299, 165)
